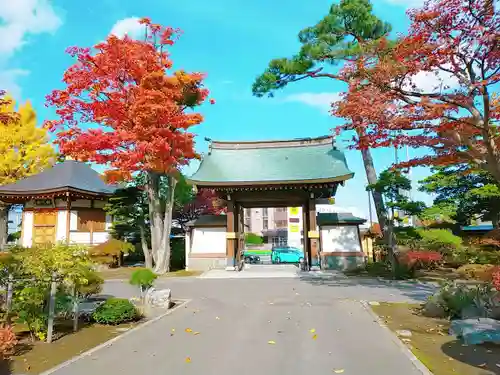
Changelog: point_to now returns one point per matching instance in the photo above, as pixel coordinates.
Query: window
(264, 212)
(281, 223)
(265, 224)
(91, 221)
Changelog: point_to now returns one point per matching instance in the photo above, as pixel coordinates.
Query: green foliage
(14, 236)
(29, 302)
(109, 252)
(392, 184)
(407, 236)
(143, 278)
(474, 255)
(253, 239)
(463, 193)
(331, 41)
(93, 285)
(442, 240)
(382, 269)
(442, 212)
(454, 298)
(115, 311)
(178, 254)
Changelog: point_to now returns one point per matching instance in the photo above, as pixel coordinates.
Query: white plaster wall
(73, 223)
(61, 226)
(343, 238)
(80, 237)
(209, 241)
(27, 239)
(187, 247)
(99, 237)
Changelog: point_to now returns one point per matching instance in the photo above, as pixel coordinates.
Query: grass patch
(36, 357)
(441, 353)
(126, 272)
(257, 252)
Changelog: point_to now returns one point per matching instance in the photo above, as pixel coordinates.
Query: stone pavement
(237, 318)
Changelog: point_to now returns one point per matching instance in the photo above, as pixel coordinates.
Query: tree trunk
(163, 264)
(148, 257)
(160, 221)
(4, 217)
(386, 226)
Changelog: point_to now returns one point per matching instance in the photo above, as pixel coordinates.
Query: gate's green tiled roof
(309, 160)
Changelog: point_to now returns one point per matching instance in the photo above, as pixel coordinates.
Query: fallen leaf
(482, 365)
(312, 330)
(173, 329)
(339, 371)
(315, 337)
(196, 333)
(217, 318)
(497, 364)
(188, 359)
(271, 342)
(188, 330)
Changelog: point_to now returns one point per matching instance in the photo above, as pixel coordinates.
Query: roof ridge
(285, 143)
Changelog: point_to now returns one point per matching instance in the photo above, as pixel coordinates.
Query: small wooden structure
(289, 173)
(62, 203)
(341, 244)
(205, 243)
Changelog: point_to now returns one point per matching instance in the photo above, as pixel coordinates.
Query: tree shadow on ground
(5, 368)
(485, 357)
(417, 292)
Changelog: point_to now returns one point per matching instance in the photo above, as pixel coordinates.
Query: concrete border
(182, 302)
(406, 351)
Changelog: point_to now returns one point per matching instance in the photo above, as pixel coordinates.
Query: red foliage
(6, 117)
(127, 88)
(455, 44)
(7, 342)
(206, 202)
(496, 278)
(421, 259)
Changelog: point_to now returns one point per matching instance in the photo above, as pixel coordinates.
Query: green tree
(466, 193)
(334, 40)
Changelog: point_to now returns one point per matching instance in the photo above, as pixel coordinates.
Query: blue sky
(231, 40)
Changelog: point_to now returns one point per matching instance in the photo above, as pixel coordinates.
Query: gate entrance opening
(289, 174)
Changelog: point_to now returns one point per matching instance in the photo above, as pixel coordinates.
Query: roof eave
(13, 194)
(276, 182)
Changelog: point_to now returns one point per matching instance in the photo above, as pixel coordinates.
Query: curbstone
(407, 352)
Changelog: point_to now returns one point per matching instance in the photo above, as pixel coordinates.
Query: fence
(53, 281)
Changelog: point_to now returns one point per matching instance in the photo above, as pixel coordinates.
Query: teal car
(286, 255)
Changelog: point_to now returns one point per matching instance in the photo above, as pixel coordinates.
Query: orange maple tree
(434, 87)
(124, 107)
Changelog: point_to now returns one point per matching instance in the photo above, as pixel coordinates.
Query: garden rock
(472, 312)
(432, 309)
(403, 333)
(495, 313)
(476, 331)
(158, 298)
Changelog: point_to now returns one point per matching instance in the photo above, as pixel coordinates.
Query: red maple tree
(205, 202)
(124, 107)
(434, 87)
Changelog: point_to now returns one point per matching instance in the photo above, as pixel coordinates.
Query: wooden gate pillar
(231, 237)
(313, 234)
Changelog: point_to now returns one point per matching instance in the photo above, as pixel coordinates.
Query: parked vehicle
(252, 259)
(286, 255)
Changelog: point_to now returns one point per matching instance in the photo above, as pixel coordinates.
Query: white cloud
(322, 100)
(20, 19)
(8, 81)
(432, 82)
(128, 26)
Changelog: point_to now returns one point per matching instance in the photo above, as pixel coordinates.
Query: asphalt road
(258, 326)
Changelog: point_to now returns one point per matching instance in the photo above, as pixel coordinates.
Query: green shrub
(177, 254)
(253, 239)
(442, 240)
(109, 252)
(92, 286)
(115, 311)
(481, 272)
(474, 255)
(378, 269)
(143, 278)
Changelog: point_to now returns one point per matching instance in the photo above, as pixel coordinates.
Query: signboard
(294, 228)
(294, 211)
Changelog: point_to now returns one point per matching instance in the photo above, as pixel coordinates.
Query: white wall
(344, 238)
(61, 226)
(208, 241)
(27, 239)
(79, 237)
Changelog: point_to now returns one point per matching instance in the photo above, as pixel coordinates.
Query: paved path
(237, 318)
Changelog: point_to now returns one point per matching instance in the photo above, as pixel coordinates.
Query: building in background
(14, 219)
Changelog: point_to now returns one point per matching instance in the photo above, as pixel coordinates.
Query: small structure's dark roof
(339, 218)
(69, 175)
(209, 221)
(306, 160)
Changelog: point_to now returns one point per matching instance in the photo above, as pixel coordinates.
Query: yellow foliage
(25, 148)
